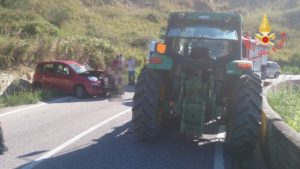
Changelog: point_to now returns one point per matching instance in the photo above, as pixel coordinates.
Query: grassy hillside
(94, 31)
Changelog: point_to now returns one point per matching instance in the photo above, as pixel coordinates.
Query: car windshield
(88, 67)
(201, 31)
(78, 68)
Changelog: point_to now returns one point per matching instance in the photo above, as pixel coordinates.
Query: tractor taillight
(244, 65)
(161, 48)
(155, 60)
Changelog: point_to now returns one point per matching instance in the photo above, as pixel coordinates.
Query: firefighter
(3, 148)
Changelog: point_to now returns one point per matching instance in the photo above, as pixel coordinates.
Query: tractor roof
(204, 15)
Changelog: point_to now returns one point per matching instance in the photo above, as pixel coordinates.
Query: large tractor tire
(146, 113)
(244, 116)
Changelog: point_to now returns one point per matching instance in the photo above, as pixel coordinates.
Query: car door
(48, 76)
(64, 80)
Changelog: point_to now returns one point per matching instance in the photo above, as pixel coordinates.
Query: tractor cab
(219, 34)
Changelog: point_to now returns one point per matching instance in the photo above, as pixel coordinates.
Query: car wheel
(80, 91)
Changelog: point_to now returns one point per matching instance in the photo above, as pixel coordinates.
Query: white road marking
(218, 159)
(33, 106)
(72, 140)
(122, 133)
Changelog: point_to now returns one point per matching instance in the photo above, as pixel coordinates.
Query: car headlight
(92, 78)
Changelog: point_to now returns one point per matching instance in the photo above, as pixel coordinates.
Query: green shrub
(39, 29)
(46, 95)
(286, 69)
(5, 62)
(6, 55)
(95, 3)
(286, 103)
(98, 51)
(141, 42)
(58, 15)
(152, 18)
(28, 97)
(14, 3)
(20, 99)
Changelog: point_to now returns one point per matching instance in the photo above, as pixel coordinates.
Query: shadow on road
(121, 150)
(71, 98)
(127, 102)
(32, 154)
(129, 88)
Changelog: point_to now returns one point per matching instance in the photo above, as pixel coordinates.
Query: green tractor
(195, 76)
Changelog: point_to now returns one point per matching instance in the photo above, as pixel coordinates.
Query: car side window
(66, 71)
(48, 68)
(60, 69)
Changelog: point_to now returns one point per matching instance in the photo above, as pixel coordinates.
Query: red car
(70, 77)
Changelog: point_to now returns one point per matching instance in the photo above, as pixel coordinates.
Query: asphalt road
(96, 133)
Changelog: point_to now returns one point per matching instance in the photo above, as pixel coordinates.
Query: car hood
(96, 73)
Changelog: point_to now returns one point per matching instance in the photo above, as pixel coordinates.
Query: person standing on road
(115, 74)
(3, 148)
(131, 71)
(119, 75)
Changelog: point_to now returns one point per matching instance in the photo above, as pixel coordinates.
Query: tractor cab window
(216, 48)
(203, 32)
(218, 41)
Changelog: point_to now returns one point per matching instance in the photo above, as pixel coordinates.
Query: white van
(273, 69)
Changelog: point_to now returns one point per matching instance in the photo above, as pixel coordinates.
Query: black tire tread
(246, 103)
(145, 105)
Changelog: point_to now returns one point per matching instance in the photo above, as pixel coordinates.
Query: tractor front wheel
(146, 113)
(244, 116)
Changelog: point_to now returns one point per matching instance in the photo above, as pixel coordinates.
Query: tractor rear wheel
(146, 113)
(244, 116)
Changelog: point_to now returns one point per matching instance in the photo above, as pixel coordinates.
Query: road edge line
(33, 106)
(72, 140)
